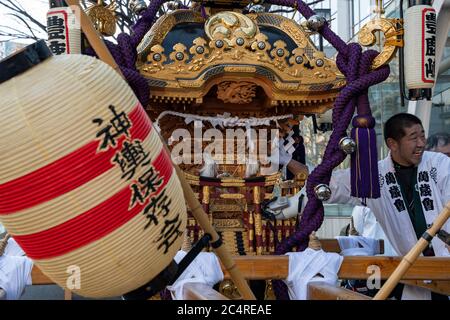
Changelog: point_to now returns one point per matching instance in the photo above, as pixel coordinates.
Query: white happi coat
(433, 181)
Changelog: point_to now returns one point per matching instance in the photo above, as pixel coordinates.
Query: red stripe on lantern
(93, 224)
(67, 173)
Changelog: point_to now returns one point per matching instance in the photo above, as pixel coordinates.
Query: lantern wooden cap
(23, 60)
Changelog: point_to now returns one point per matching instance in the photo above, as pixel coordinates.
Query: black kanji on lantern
(170, 233)
(430, 45)
(157, 205)
(428, 204)
(399, 204)
(423, 176)
(395, 192)
(429, 67)
(147, 184)
(56, 35)
(130, 157)
(55, 28)
(430, 23)
(57, 47)
(55, 22)
(425, 190)
(390, 178)
(118, 125)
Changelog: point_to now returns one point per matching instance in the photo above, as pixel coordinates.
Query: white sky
(38, 8)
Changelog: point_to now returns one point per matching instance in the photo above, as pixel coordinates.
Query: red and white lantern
(86, 186)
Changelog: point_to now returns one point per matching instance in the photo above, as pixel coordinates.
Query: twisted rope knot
(355, 65)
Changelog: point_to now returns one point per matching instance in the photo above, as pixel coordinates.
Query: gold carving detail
(232, 196)
(226, 207)
(205, 194)
(256, 195)
(319, 70)
(295, 33)
(236, 92)
(261, 46)
(240, 69)
(103, 17)
(258, 224)
(155, 59)
(200, 51)
(296, 75)
(391, 33)
(179, 57)
(228, 223)
(225, 25)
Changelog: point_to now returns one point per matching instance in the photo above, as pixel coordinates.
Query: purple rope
(165, 294)
(146, 21)
(307, 12)
(355, 65)
(203, 12)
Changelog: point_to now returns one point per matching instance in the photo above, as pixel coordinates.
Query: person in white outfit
(415, 186)
(439, 142)
(367, 226)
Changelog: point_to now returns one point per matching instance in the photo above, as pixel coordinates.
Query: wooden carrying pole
(412, 255)
(193, 203)
(92, 35)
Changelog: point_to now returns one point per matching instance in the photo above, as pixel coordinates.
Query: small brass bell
(137, 6)
(323, 192)
(348, 145)
(315, 23)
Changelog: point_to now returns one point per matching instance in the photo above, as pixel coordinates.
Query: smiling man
(415, 186)
(405, 138)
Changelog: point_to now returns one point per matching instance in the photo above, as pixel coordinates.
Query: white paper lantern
(86, 186)
(420, 47)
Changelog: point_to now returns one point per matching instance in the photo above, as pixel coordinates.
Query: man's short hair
(395, 126)
(436, 140)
